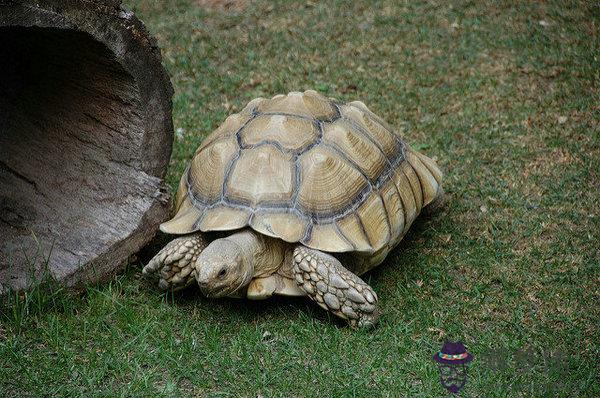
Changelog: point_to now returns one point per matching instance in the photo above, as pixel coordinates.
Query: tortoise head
(223, 268)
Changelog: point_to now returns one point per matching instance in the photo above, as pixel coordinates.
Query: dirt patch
(546, 164)
(223, 5)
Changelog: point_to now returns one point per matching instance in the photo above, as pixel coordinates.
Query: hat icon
(452, 362)
(453, 353)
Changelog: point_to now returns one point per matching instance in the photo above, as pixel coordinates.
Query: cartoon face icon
(452, 362)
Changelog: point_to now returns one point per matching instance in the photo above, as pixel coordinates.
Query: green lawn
(505, 96)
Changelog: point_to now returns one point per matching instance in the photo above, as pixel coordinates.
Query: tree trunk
(85, 140)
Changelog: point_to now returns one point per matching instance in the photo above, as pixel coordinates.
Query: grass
(504, 94)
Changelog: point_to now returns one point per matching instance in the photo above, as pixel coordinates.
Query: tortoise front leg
(326, 281)
(174, 264)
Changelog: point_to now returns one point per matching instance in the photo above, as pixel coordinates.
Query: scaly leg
(174, 264)
(333, 287)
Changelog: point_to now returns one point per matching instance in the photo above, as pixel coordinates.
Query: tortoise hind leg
(174, 264)
(326, 281)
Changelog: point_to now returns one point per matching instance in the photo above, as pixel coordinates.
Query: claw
(174, 264)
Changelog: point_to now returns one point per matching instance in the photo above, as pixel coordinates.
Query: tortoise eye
(222, 273)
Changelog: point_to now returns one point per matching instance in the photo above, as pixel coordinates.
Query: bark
(85, 140)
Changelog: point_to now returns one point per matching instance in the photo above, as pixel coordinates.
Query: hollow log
(85, 140)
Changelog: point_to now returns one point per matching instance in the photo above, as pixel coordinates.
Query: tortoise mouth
(224, 290)
(213, 293)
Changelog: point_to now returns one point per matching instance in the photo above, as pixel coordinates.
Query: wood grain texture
(85, 139)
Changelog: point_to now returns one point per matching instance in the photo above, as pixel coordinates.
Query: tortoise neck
(263, 253)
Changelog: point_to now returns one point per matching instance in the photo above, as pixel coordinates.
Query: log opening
(85, 137)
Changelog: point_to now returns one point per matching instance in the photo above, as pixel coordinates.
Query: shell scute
(395, 210)
(285, 225)
(289, 132)
(353, 230)
(429, 185)
(261, 175)
(206, 174)
(223, 218)
(377, 132)
(229, 128)
(328, 235)
(360, 150)
(374, 219)
(309, 104)
(328, 181)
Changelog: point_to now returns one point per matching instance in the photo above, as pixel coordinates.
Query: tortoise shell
(305, 168)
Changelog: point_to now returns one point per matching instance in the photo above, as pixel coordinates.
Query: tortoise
(308, 193)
